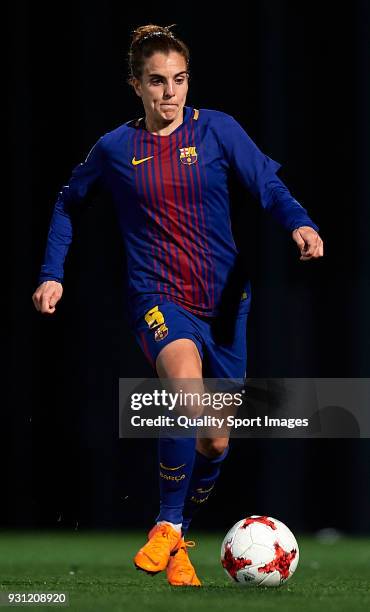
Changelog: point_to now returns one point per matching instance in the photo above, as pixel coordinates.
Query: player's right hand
(46, 296)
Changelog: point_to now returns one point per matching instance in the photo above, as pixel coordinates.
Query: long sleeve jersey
(172, 202)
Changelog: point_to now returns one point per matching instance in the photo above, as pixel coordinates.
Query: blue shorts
(221, 341)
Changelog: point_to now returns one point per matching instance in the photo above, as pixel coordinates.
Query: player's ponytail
(149, 39)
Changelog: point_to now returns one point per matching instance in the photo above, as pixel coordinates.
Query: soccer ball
(259, 551)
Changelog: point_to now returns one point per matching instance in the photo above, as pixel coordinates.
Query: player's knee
(191, 406)
(212, 447)
(179, 359)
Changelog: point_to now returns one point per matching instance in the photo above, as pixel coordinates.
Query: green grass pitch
(96, 570)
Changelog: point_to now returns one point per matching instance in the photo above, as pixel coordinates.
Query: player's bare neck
(163, 129)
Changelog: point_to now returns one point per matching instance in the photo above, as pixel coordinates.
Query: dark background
(295, 75)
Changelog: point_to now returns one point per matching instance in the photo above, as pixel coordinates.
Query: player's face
(163, 87)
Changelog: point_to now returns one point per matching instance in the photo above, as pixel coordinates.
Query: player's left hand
(309, 243)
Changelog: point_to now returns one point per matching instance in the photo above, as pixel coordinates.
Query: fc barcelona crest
(188, 155)
(161, 332)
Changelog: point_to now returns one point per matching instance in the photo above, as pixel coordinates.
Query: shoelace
(185, 545)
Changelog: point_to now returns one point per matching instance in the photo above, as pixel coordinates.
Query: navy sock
(176, 461)
(203, 479)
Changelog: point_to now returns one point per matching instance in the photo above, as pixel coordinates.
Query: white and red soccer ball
(259, 551)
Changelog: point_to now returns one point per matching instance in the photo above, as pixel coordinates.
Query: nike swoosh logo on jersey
(136, 162)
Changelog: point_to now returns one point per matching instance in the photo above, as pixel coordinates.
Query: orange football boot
(154, 556)
(180, 571)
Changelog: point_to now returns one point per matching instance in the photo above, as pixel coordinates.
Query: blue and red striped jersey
(172, 201)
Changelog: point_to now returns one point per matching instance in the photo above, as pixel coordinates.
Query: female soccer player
(168, 174)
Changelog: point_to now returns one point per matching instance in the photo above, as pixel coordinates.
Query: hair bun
(150, 31)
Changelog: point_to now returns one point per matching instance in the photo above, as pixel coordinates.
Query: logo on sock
(174, 478)
(164, 467)
(171, 469)
(201, 500)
